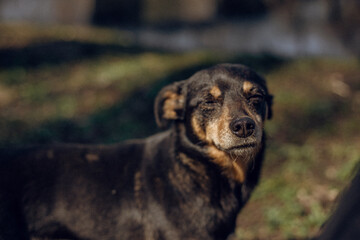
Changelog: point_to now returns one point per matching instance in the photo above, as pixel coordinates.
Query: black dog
(188, 182)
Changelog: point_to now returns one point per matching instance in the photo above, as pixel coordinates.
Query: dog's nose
(243, 127)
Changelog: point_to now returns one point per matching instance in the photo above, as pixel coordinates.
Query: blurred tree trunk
(344, 18)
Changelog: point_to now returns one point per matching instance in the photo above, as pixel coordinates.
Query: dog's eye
(256, 99)
(210, 102)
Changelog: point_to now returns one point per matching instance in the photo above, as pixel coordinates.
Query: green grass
(101, 90)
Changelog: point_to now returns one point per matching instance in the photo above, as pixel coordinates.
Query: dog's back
(47, 186)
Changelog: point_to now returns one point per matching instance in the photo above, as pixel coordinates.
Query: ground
(94, 85)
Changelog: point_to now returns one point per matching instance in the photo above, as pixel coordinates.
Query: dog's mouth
(239, 148)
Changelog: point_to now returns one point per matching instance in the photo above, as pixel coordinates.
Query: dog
(188, 182)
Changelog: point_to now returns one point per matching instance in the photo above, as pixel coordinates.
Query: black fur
(175, 185)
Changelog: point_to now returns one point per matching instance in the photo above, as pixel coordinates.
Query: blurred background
(87, 71)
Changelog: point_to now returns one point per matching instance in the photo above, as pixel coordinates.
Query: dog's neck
(186, 146)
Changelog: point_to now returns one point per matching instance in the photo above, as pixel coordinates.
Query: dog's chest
(194, 202)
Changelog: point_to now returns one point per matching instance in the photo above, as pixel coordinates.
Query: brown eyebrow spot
(215, 92)
(247, 87)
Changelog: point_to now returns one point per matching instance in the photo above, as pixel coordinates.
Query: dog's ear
(170, 104)
(269, 102)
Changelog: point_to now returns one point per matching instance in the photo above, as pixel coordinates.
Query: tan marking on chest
(232, 168)
(215, 92)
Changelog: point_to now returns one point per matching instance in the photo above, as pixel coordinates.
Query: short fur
(188, 182)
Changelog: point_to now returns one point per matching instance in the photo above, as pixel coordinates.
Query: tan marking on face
(172, 103)
(256, 117)
(214, 136)
(211, 134)
(247, 87)
(216, 133)
(216, 130)
(197, 129)
(215, 92)
(91, 157)
(266, 111)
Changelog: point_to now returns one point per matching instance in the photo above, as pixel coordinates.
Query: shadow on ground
(57, 52)
(130, 118)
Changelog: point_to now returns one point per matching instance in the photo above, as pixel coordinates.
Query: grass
(313, 149)
(93, 85)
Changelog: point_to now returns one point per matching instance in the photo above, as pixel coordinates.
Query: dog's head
(222, 108)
